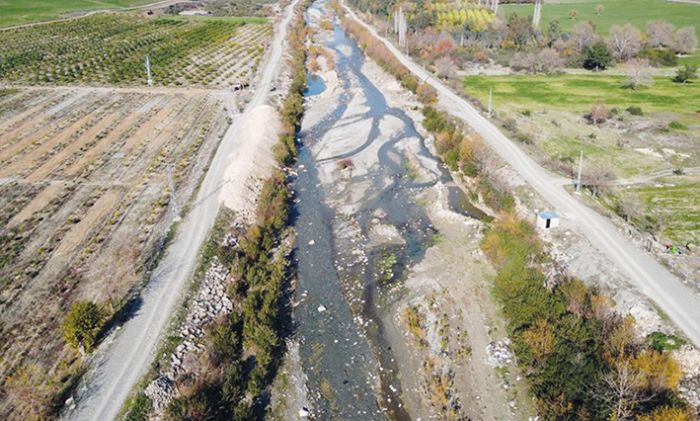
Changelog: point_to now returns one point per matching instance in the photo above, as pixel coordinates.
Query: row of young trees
(112, 48)
(227, 385)
(583, 361)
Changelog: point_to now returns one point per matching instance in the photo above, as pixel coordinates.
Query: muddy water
(344, 280)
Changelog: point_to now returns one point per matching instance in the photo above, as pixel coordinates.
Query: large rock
(160, 391)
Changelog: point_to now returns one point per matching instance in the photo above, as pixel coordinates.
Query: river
(359, 226)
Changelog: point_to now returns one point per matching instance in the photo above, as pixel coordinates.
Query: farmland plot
(111, 49)
(86, 196)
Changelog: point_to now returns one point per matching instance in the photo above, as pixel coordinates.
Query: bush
(677, 125)
(659, 56)
(426, 94)
(597, 57)
(634, 110)
(83, 324)
(685, 74)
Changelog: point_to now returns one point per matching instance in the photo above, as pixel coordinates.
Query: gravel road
(123, 359)
(674, 298)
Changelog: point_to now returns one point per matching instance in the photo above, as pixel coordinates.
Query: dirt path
(678, 301)
(124, 358)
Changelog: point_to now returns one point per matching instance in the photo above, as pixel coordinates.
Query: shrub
(685, 74)
(659, 56)
(426, 94)
(83, 324)
(597, 57)
(677, 125)
(634, 110)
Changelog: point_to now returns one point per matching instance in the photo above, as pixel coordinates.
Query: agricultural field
(636, 12)
(17, 12)
(86, 197)
(650, 134)
(110, 48)
(95, 167)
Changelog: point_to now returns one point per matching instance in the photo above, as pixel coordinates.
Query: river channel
(362, 164)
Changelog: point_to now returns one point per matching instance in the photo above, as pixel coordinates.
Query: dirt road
(678, 301)
(124, 358)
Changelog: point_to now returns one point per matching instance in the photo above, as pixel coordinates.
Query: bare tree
(445, 67)
(597, 179)
(660, 33)
(546, 61)
(599, 114)
(638, 74)
(622, 391)
(583, 36)
(549, 61)
(599, 9)
(630, 207)
(624, 41)
(684, 40)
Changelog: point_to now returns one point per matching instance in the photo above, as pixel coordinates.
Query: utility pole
(490, 101)
(148, 72)
(537, 16)
(580, 169)
(175, 211)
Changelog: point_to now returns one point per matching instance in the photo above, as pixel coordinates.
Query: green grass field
(636, 12)
(678, 203)
(15, 12)
(580, 92)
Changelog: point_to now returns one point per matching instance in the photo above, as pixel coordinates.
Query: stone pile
(210, 303)
(499, 353)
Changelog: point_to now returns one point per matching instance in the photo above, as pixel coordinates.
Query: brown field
(85, 184)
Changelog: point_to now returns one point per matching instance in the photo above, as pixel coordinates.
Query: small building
(547, 219)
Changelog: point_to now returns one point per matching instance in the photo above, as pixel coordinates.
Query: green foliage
(139, 408)
(659, 56)
(661, 342)
(677, 125)
(634, 110)
(597, 57)
(686, 74)
(83, 324)
(232, 387)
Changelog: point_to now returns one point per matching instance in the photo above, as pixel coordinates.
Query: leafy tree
(685, 74)
(666, 413)
(597, 57)
(553, 31)
(519, 30)
(82, 324)
(660, 371)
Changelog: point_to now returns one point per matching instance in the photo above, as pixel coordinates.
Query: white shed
(547, 219)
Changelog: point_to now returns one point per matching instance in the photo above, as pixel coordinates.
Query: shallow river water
(344, 279)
